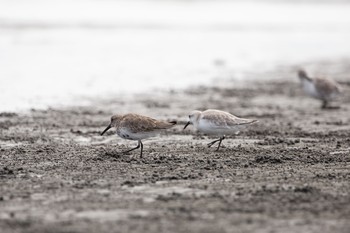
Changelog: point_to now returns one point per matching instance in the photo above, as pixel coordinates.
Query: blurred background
(69, 52)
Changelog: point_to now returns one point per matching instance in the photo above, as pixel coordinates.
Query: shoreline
(226, 76)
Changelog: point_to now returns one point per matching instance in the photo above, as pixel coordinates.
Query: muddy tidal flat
(288, 173)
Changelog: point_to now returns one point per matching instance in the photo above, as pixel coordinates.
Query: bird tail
(173, 122)
(166, 125)
(248, 122)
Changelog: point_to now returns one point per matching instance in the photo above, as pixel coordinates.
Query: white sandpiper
(216, 122)
(323, 89)
(137, 127)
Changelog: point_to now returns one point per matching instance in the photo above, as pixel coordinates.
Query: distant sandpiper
(216, 122)
(319, 88)
(137, 127)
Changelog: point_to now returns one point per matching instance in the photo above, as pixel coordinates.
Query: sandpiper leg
(324, 104)
(137, 147)
(215, 141)
(141, 148)
(222, 138)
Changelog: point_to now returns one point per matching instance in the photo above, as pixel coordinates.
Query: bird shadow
(111, 153)
(327, 108)
(125, 156)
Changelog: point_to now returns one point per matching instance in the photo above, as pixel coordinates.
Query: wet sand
(288, 173)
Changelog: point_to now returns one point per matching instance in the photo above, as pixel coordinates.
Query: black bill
(108, 127)
(187, 124)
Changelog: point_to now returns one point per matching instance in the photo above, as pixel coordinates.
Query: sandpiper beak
(187, 124)
(108, 127)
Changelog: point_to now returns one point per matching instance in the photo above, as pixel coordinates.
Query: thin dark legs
(215, 141)
(137, 147)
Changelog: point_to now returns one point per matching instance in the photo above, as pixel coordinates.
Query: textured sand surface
(288, 173)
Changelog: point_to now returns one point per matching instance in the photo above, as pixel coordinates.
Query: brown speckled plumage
(137, 127)
(326, 87)
(138, 123)
(320, 88)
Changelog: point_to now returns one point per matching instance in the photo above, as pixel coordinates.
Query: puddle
(150, 192)
(82, 140)
(111, 215)
(345, 151)
(146, 189)
(9, 144)
(99, 215)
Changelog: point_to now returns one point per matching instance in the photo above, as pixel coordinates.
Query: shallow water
(55, 53)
